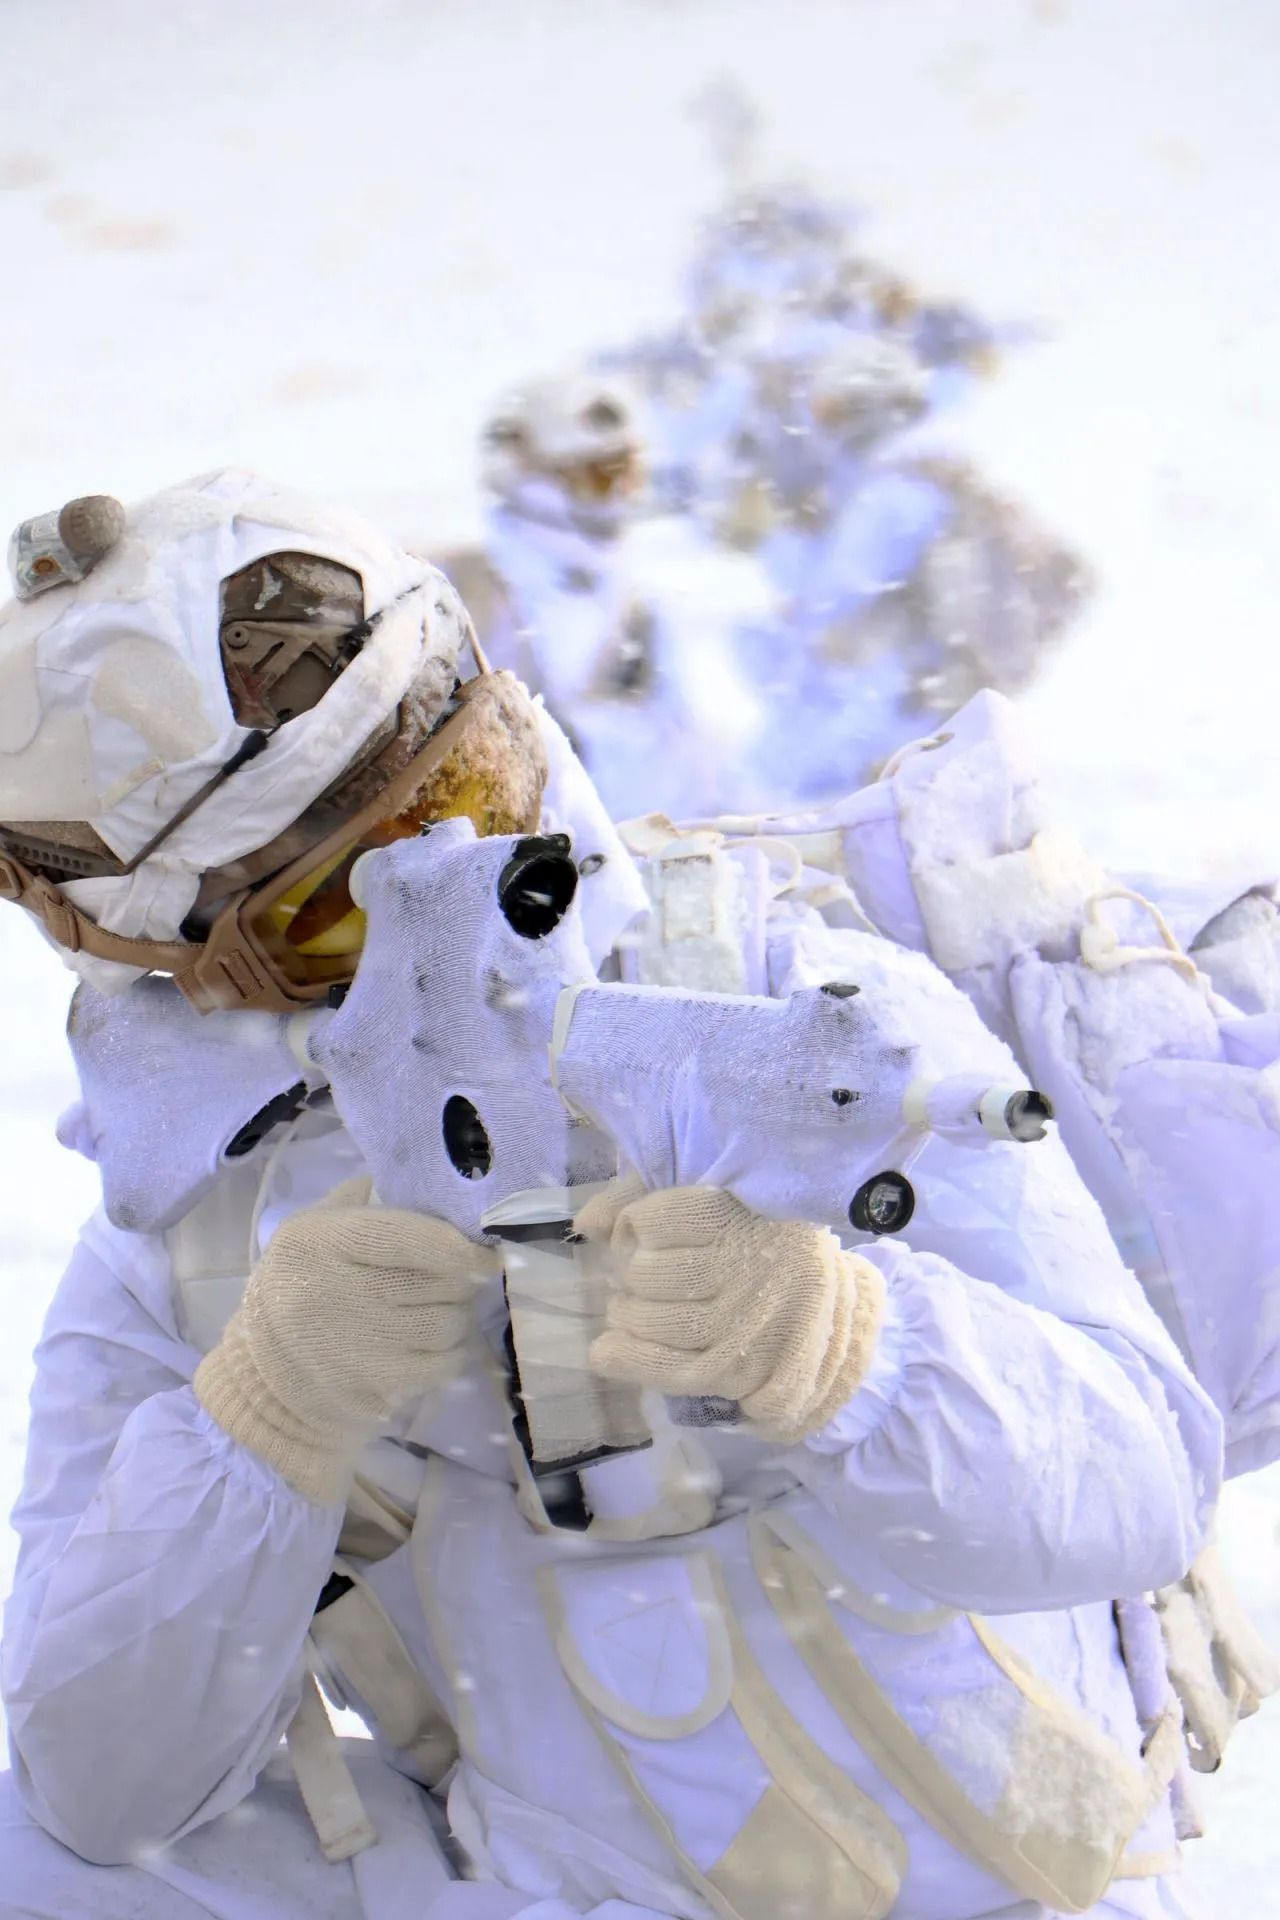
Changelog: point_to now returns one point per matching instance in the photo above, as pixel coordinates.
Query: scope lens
(883, 1204)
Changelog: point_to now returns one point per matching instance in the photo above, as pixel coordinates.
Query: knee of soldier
(25, 1885)
(40, 1879)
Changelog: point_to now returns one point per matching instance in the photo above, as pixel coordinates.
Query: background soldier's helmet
(867, 390)
(580, 431)
(759, 261)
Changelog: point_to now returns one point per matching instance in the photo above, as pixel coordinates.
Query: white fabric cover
(1184, 1145)
(737, 1092)
(791, 1102)
(1165, 1090)
(1239, 950)
(163, 1092)
(449, 1002)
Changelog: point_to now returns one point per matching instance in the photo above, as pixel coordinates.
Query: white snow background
(315, 237)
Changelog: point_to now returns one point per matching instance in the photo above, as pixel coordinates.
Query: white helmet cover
(114, 708)
(559, 423)
(869, 386)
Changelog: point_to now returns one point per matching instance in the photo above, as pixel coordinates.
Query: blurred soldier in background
(727, 559)
(625, 620)
(905, 585)
(788, 407)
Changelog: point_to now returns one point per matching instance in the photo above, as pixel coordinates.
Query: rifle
(488, 1074)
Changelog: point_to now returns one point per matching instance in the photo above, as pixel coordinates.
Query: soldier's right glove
(351, 1313)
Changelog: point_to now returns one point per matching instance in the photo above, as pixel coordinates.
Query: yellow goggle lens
(315, 932)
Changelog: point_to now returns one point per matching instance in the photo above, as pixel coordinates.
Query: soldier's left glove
(712, 1299)
(1219, 1665)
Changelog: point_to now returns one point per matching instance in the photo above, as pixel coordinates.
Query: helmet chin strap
(74, 931)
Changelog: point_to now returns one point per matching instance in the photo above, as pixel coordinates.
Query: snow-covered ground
(315, 238)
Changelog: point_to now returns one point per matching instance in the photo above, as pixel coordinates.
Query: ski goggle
(291, 940)
(602, 477)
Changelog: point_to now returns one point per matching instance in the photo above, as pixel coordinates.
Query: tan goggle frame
(234, 967)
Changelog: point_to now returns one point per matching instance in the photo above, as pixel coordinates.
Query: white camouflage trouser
(261, 1862)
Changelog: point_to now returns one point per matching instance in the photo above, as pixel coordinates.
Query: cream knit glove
(714, 1299)
(351, 1312)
